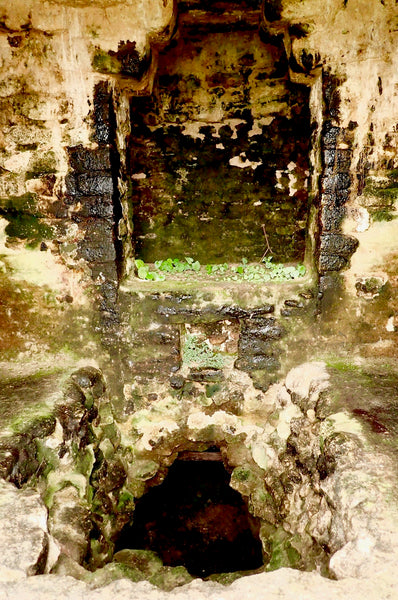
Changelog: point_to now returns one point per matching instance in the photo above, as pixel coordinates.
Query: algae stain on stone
(186, 189)
(30, 228)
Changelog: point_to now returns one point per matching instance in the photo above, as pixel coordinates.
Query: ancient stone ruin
(198, 304)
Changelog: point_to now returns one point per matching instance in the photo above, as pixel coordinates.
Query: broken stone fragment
(177, 382)
(26, 547)
(168, 578)
(264, 328)
(256, 362)
(206, 375)
(305, 384)
(90, 378)
(70, 523)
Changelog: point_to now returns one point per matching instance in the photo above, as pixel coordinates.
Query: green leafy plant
(267, 271)
(175, 265)
(217, 269)
(199, 354)
(143, 272)
(261, 272)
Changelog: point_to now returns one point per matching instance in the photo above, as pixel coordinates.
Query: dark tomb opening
(221, 147)
(196, 520)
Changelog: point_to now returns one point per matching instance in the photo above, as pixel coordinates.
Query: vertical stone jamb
(93, 195)
(335, 248)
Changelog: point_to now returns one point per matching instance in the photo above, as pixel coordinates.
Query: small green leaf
(262, 272)
(143, 272)
(301, 270)
(167, 265)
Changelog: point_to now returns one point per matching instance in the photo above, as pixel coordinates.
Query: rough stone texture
(354, 151)
(324, 461)
(305, 384)
(257, 348)
(320, 477)
(50, 111)
(70, 51)
(24, 535)
(284, 583)
(227, 138)
(47, 99)
(239, 327)
(70, 523)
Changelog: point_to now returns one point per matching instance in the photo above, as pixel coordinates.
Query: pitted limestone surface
(306, 470)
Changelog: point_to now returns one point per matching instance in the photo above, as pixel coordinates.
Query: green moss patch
(43, 164)
(26, 401)
(380, 195)
(383, 215)
(104, 63)
(28, 227)
(198, 354)
(27, 203)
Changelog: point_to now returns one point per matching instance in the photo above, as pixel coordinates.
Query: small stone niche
(196, 520)
(218, 153)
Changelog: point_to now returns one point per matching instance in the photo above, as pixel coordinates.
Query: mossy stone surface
(169, 578)
(25, 400)
(103, 62)
(209, 162)
(145, 561)
(26, 204)
(30, 228)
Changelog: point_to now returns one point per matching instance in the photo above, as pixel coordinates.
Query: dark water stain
(370, 395)
(371, 419)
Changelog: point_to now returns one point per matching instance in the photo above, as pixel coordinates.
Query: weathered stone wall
(54, 56)
(188, 365)
(221, 149)
(53, 123)
(350, 47)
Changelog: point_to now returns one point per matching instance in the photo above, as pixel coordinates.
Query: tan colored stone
(24, 536)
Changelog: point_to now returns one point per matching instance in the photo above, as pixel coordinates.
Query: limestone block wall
(49, 74)
(69, 70)
(174, 367)
(352, 45)
(64, 122)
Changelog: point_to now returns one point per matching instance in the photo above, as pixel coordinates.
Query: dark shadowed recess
(222, 98)
(196, 520)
